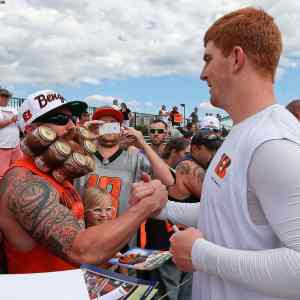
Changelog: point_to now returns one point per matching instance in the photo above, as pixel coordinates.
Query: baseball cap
(210, 122)
(5, 92)
(42, 102)
(108, 111)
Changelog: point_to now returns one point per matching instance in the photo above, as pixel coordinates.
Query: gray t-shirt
(116, 176)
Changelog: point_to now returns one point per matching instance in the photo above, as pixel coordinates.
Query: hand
(134, 135)
(141, 189)
(153, 193)
(13, 119)
(181, 247)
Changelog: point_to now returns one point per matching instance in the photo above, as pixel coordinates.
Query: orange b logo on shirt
(222, 166)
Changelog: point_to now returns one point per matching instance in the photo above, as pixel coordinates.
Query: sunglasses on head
(57, 119)
(160, 131)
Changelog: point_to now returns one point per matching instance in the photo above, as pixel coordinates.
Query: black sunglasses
(209, 130)
(160, 131)
(57, 119)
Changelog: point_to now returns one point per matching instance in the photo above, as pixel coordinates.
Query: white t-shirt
(9, 135)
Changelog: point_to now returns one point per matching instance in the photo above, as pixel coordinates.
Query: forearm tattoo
(36, 207)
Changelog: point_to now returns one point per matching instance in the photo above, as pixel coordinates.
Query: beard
(109, 140)
(157, 141)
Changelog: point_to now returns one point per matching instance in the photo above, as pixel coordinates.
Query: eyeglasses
(57, 119)
(104, 210)
(159, 131)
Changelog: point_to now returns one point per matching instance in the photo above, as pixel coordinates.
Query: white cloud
(71, 42)
(99, 100)
(149, 104)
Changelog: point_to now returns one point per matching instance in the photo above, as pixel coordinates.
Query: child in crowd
(97, 206)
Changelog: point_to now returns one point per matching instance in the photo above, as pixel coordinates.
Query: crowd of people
(79, 189)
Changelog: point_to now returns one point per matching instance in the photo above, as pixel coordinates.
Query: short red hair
(255, 32)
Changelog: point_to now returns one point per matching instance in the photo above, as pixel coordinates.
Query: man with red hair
(246, 245)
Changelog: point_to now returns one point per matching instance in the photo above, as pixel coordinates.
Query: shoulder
(189, 167)
(184, 167)
(19, 185)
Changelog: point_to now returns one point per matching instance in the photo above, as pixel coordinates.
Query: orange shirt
(40, 259)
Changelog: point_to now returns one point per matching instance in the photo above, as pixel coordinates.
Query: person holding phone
(117, 168)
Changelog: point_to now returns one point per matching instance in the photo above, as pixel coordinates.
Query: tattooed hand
(35, 206)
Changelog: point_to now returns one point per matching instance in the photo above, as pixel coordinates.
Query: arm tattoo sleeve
(35, 205)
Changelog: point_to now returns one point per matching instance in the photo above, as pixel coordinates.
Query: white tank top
(224, 218)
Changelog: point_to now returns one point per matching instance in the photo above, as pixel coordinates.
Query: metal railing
(138, 120)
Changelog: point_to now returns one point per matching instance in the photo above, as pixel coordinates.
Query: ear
(239, 58)
(297, 113)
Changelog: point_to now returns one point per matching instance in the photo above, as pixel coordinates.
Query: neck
(157, 148)
(107, 152)
(250, 99)
(169, 162)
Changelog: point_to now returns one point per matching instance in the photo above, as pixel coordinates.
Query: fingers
(144, 191)
(140, 190)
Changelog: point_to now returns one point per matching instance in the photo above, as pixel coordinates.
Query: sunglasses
(159, 131)
(209, 130)
(57, 119)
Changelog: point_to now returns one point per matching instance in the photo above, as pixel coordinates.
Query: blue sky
(145, 53)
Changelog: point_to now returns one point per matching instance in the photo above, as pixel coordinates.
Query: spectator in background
(9, 133)
(116, 168)
(210, 123)
(192, 127)
(194, 116)
(163, 114)
(294, 108)
(158, 134)
(84, 117)
(175, 117)
(127, 115)
(175, 150)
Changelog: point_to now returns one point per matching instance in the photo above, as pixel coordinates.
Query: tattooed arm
(34, 204)
(192, 176)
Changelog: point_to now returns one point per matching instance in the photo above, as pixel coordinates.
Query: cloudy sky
(143, 52)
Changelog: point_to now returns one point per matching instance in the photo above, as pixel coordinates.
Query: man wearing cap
(9, 133)
(116, 168)
(42, 219)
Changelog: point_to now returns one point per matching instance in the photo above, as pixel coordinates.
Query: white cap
(210, 122)
(42, 102)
